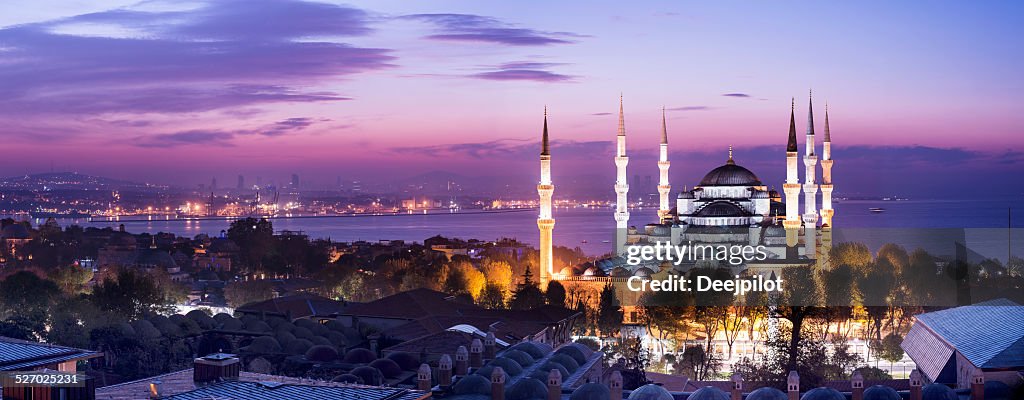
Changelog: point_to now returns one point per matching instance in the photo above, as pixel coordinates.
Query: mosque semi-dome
(730, 174)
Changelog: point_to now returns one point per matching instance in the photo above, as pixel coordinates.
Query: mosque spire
(791, 146)
(828, 138)
(544, 139)
(730, 161)
(664, 127)
(622, 119)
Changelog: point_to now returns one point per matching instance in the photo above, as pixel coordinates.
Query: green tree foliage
(255, 240)
(555, 294)
(699, 364)
(130, 295)
(609, 312)
(856, 255)
(801, 297)
(493, 297)
(244, 292)
(527, 295)
(815, 362)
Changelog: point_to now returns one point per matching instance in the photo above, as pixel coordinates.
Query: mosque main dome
(730, 174)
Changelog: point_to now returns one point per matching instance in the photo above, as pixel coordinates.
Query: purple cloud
(203, 59)
(510, 149)
(222, 138)
(736, 95)
(476, 28)
(523, 75)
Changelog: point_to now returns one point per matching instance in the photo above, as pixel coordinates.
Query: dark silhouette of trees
(555, 294)
(527, 295)
(609, 312)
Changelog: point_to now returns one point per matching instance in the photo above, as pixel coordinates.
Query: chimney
(498, 384)
(423, 377)
(490, 346)
(915, 385)
(793, 385)
(215, 368)
(977, 385)
(461, 361)
(737, 387)
(857, 385)
(615, 385)
(476, 356)
(554, 385)
(156, 389)
(444, 373)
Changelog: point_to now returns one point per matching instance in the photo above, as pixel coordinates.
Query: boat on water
(876, 209)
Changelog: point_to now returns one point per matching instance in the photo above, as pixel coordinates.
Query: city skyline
(180, 94)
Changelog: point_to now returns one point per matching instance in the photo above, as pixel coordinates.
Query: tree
(240, 293)
(698, 363)
(464, 278)
(493, 297)
(875, 288)
(497, 272)
(130, 295)
(609, 317)
(25, 292)
(255, 240)
(527, 295)
(555, 294)
(856, 255)
(838, 285)
(71, 278)
(800, 298)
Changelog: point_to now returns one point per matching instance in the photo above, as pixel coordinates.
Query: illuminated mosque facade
(729, 206)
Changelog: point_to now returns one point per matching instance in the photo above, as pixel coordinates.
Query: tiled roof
(181, 382)
(412, 304)
(20, 354)
(297, 306)
(928, 351)
(238, 390)
(988, 334)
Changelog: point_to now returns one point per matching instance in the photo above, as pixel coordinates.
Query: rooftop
(17, 355)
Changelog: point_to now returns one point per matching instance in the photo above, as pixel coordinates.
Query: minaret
(663, 186)
(810, 188)
(792, 185)
(621, 186)
(826, 176)
(545, 221)
(826, 194)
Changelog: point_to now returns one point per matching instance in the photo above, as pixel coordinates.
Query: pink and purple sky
(930, 93)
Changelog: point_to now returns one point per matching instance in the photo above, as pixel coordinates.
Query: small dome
(405, 360)
(708, 393)
(370, 375)
(593, 271)
(767, 393)
(528, 389)
(348, 378)
(823, 393)
(730, 174)
(321, 353)
(686, 194)
(511, 367)
(644, 272)
(880, 392)
(387, 367)
(573, 350)
(650, 392)
(938, 391)
(591, 391)
(519, 356)
(566, 361)
(472, 384)
(534, 349)
(567, 272)
(359, 356)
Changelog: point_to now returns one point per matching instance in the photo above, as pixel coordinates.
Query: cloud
(523, 75)
(690, 108)
(476, 28)
(736, 95)
(223, 138)
(601, 113)
(220, 55)
(509, 149)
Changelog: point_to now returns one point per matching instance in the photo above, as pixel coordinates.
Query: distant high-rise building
(213, 184)
(259, 181)
(295, 181)
(241, 182)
